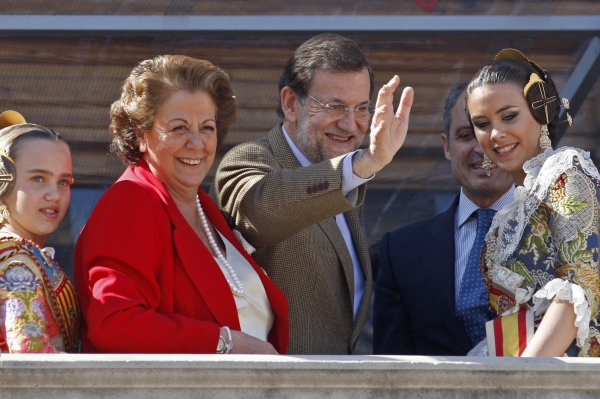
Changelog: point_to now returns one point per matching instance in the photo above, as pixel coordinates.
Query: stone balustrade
(255, 376)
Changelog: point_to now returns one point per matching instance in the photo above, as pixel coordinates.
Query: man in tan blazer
(297, 194)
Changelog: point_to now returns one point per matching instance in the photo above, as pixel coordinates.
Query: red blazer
(147, 283)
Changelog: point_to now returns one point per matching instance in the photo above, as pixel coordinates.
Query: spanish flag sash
(509, 335)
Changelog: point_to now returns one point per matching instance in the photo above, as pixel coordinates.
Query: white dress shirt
(350, 184)
(465, 230)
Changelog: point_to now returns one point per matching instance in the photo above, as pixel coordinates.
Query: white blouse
(254, 309)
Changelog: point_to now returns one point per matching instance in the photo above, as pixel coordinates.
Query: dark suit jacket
(415, 311)
(287, 213)
(146, 282)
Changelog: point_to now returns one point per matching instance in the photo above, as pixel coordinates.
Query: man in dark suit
(422, 264)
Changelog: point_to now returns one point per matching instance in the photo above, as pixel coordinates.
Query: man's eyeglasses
(361, 113)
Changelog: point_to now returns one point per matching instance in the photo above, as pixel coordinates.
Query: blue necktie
(473, 309)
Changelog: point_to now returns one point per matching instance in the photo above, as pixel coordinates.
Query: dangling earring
(544, 138)
(487, 164)
(4, 214)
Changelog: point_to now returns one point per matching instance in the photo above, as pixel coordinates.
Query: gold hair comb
(10, 117)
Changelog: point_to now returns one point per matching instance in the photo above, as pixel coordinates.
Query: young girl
(39, 309)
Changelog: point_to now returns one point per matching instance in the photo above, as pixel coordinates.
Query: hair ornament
(569, 120)
(10, 117)
(544, 101)
(5, 155)
(565, 103)
(511, 53)
(6, 177)
(545, 141)
(533, 79)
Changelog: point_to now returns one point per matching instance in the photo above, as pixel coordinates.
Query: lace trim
(567, 291)
(541, 171)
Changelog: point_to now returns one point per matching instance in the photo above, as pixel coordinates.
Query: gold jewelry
(5, 155)
(7, 178)
(544, 138)
(533, 79)
(4, 213)
(544, 101)
(487, 164)
(569, 119)
(538, 77)
(517, 55)
(10, 118)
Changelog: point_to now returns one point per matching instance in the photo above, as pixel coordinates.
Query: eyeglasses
(361, 113)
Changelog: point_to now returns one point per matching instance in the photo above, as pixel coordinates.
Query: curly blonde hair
(149, 85)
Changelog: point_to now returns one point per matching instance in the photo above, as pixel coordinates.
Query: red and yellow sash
(509, 335)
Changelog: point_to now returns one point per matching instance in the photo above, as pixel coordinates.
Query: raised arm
(388, 130)
(269, 203)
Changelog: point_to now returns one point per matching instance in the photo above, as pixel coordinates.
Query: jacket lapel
(333, 233)
(195, 257)
(438, 263)
(281, 150)
(354, 223)
(278, 301)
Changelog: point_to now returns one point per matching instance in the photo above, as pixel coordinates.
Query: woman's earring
(487, 164)
(142, 147)
(544, 138)
(4, 214)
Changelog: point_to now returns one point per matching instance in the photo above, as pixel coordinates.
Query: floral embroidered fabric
(545, 243)
(39, 312)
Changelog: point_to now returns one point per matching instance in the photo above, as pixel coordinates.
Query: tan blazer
(287, 213)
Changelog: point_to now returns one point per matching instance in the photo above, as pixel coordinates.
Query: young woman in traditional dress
(540, 261)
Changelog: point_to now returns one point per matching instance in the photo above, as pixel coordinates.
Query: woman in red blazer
(157, 268)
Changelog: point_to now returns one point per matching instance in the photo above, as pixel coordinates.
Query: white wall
(231, 376)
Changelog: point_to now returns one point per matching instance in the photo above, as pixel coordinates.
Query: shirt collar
(466, 207)
(299, 154)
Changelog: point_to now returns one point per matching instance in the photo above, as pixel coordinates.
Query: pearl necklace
(236, 287)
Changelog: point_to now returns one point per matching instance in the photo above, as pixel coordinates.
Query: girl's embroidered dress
(39, 308)
(545, 244)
